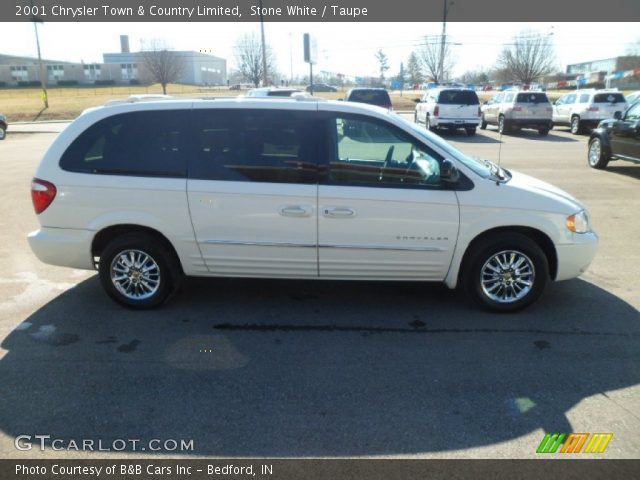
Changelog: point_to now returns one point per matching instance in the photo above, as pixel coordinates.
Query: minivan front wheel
(3, 132)
(506, 273)
(137, 271)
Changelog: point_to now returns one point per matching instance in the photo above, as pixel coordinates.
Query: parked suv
(587, 108)
(372, 96)
(616, 139)
(3, 126)
(515, 109)
(449, 107)
(147, 192)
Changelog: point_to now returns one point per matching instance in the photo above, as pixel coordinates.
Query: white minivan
(147, 192)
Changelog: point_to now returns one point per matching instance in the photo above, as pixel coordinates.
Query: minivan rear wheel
(138, 271)
(506, 273)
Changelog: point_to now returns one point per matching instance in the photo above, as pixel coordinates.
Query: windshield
(458, 97)
(477, 165)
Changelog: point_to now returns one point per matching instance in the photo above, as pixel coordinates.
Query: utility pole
(43, 82)
(446, 5)
(264, 48)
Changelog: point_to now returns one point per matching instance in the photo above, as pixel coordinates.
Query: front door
(383, 211)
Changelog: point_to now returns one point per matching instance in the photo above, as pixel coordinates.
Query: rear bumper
(575, 258)
(62, 246)
(455, 122)
(530, 122)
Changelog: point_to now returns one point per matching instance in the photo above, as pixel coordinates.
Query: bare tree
(162, 65)
(248, 52)
(431, 52)
(529, 57)
(414, 72)
(383, 63)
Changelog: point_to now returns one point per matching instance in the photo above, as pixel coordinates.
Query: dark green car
(616, 139)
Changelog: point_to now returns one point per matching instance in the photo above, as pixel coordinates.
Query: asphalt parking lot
(284, 369)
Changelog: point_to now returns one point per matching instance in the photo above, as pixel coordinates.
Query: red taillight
(592, 109)
(436, 111)
(42, 194)
(517, 109)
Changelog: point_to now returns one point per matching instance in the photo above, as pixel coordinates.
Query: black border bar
(323, 469)
(321, 11)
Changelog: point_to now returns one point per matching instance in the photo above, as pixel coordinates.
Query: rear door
(608, 103)
(458, 106)
(562, 109)
(252, 191)
(383, 212)
(492, 107)
(532, 105)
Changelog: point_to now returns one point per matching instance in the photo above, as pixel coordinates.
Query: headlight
(578, 222)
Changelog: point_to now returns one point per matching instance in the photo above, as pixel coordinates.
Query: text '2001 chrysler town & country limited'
(147, 192)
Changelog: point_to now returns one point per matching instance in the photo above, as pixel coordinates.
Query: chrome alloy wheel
(595, 151)
(507, 276)
(135, 274)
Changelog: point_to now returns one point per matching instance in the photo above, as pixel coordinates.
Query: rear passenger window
(508, 98)
(584, 98)
(151, 143)
(276, 146)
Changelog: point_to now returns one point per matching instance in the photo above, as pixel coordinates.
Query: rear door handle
(338, 212)
(295, 211)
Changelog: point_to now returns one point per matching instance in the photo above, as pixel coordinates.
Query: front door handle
(338, 212)
(295, 211)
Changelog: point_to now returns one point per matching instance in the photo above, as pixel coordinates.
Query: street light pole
(43, 83)
(446, 5)
(264, 47)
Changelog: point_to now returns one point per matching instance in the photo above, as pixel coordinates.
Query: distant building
(117, 68)
(595, 72)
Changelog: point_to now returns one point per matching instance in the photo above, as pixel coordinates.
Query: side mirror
(417, 100)
(618, 115)
(449, 172)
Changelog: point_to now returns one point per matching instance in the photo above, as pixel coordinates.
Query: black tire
(533, 258)
(415, 117)
(597, 157)
(502, 125)
(3, 132)
(543, 131)
(575, 127)
(483, 123)
(164, 271)
(471, 131)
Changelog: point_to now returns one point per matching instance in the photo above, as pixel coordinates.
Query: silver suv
(587, 108)
(516, 109)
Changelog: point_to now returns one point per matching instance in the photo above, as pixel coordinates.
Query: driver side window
(367, 152)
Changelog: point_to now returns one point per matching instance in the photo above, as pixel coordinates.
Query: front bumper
(574, 258)
(63, 246)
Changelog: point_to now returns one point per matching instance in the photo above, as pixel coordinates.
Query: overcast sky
(346, 48)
